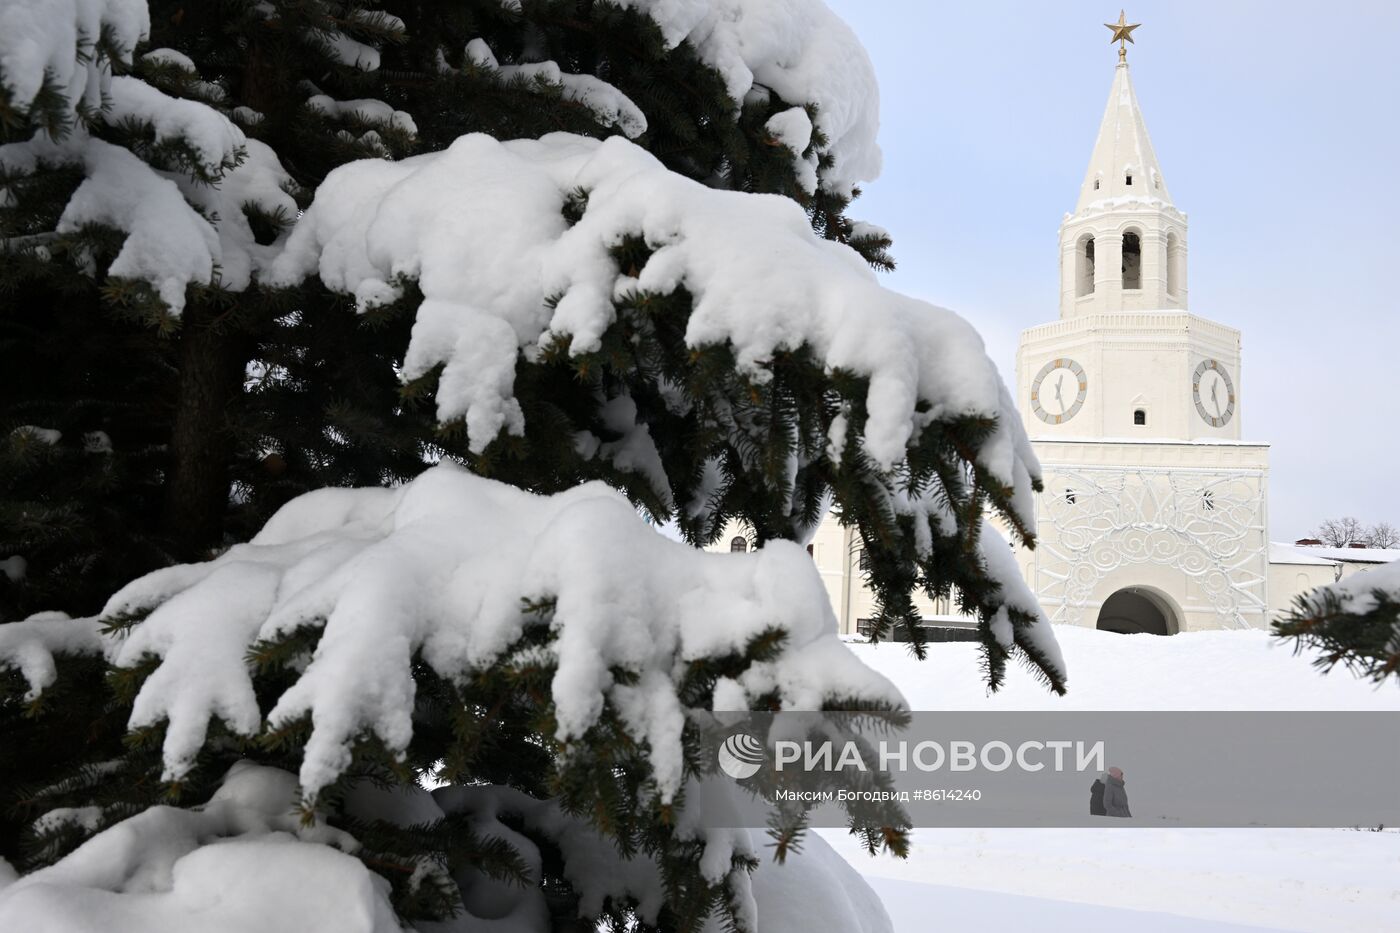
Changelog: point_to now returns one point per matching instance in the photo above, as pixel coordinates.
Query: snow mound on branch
(366, 110)
(793, 129)
(214, 139)
(1356, 595)
(800, 50)
(240, 863)
(243, 863)
(999, 561)
(609, 105)
(180, 230)
(169, 244)
(29, 646)
(442, 566)
(1357, 592)
(41, 39)
(814, 889)
(482, 229)
(592, 863)
(172, 58)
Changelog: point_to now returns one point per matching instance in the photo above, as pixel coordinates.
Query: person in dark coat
(1096, 796)
(1115, 795)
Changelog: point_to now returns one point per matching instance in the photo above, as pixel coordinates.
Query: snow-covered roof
(1352, 555)
(1281, 553)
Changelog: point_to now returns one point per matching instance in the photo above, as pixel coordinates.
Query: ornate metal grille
(1208, 525)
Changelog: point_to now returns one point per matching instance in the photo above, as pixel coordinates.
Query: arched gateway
(1138, 610)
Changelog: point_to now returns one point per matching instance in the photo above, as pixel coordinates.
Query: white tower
(1153, 516)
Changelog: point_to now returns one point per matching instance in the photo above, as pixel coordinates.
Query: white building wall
(1288, 581)
(1185, 522)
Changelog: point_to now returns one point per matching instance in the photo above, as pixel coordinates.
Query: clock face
(1214, 393)
(1058, 391)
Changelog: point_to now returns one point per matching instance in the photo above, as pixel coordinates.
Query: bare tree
(1341, 532)
(1383, 534)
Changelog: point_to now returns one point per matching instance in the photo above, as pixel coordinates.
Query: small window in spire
(1096, 184)
(1130, 179)
(1139, 417)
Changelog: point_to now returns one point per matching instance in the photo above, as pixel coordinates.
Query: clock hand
(1059, 389)
(1215, 399)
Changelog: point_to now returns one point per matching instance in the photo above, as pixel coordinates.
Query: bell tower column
(1069, 274)
(1108, 271)
(1154, 268)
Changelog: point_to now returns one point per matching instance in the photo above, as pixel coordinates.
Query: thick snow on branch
(53, 40)
(442, 566)
(481, 227)
(1016, 595)
(244, 862)
(169, 244)
(793, 129)
(179, 231)
(609, 105)
(215, 141)
(30, 646)
(1357, 595)
(800, 50)
(591, 862)
(366, 110)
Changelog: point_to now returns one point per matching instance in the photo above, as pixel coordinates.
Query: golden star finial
(1122, 34)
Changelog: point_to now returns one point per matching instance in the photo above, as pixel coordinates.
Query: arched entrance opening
(1137, 610)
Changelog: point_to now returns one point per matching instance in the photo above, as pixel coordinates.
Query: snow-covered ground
(1148, 879)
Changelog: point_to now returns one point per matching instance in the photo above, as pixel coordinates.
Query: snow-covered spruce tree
(560, 309)
(142, 194)
(220, 381)
(136, 213)
(1354, 623)
(129, 410)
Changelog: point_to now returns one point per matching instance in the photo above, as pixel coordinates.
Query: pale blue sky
(1277, 130)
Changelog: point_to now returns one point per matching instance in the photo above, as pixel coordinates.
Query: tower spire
(1122, 34)
(1124, 246)
(1123, 163)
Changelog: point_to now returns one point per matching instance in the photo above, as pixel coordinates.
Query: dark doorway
(1132, 611)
